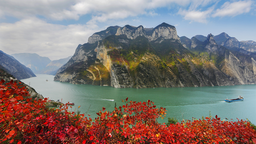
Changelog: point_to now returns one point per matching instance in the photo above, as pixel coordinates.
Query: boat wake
(108, 99)
(196, 104)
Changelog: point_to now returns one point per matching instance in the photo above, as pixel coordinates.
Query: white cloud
(233, 9)
(194, 12)
(195, 4)
(58, 41)
(103, 10)
(33, 35)
(152, 13)
(195, 15)
(73, 9)
(30, 8)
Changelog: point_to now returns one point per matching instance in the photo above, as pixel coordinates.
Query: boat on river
(70, 103)
(240, 98)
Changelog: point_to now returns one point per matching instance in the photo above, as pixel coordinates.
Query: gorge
(140, 57)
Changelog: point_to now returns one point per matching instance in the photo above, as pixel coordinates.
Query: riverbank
(27, 120)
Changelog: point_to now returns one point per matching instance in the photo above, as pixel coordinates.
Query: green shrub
(172, 121)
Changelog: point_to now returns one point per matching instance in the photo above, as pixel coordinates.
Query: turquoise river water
(181, 103)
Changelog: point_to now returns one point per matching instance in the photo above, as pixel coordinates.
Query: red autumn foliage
(26, 120)
(116, 56)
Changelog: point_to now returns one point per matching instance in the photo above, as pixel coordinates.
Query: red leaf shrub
(26, 120)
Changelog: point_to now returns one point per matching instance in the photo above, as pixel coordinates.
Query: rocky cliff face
(232, 43)
(163, 30)
(139, 57)
(14, 67)
(236, 67)
(248, 46)
(103, 34)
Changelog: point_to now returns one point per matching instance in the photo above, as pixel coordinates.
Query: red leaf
(254, 140)
(103, 108)
(19, 142)
(13, 99)
(11, 133)
(84, 142)
(126, 99)
(62, 137)
(91, 137)
(28, 99)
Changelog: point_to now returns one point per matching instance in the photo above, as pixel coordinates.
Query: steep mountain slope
(14, 67)
(39, 64)
(238, 67)
(33, 61)
(186, 42)
(248, 45)
(141, 58)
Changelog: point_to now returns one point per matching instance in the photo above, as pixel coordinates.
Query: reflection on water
(181, 103)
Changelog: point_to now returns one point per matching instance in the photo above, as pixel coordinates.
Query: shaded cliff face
(221, 38)
(186, 42)
(14, 67)
(144, 58)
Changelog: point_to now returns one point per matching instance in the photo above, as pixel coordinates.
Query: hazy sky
(54, 28)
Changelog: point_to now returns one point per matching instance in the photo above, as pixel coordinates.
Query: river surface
(181, 103)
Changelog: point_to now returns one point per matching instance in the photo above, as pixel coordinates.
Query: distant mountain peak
(225, 35)
(209, 35)
(221, 38)
(164, 25)
(210, 39)
(200, 38)
(110, 27)
(130, 27)
(141, 26)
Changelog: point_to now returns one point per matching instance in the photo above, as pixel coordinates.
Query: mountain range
(14, 67)
(141, 57)
(229, 42)
(39, 64)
